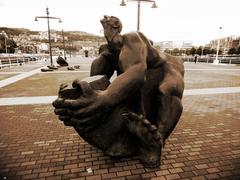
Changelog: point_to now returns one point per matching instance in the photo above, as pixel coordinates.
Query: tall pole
(5, 43)
(139, 8)
(49, 36)
(138, 15)
(70, 51)
(218, 45)
(64, 52)
(49, 33)
(202, 52)
(216, 61)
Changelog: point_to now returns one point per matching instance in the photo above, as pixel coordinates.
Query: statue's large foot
(149, 139)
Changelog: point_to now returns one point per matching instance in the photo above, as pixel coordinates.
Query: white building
(174, 44)
(187, 45)
(54, 36)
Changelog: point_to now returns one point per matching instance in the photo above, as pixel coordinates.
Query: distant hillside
(16, 31)
(72, 35)
(81, 33)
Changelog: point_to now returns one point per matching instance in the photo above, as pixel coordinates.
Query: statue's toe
(150, 159)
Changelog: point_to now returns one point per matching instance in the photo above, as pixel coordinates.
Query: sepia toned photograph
(119, 90)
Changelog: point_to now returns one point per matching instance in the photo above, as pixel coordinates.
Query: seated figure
(138, 110)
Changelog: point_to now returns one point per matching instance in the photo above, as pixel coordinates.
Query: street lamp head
(154, 5)
(59, 21)
(47, 10)
(123, 3)
(35, 19)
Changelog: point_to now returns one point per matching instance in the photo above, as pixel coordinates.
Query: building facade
(170, 45)
(225, 43)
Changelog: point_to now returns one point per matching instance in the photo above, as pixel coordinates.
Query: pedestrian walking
(195, 59)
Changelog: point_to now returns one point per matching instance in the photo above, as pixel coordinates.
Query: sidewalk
(205, 144)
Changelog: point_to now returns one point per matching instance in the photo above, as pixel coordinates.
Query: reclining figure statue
(61, 61)
(138, 110)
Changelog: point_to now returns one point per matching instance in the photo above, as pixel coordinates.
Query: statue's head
(112, 26)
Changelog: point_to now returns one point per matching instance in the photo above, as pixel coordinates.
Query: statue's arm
(102, 66)
(132, 61)
(173, 81)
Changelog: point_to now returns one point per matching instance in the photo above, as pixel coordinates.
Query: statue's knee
(178, 104)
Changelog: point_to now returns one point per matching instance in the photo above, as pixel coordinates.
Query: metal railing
(18, 60)
(210, 59)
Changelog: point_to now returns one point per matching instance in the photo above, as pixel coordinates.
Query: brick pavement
(204, 145)
(34, 144)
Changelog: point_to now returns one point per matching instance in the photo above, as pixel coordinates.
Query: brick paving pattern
(34, 144)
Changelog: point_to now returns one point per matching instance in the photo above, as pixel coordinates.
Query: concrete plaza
(34, 144)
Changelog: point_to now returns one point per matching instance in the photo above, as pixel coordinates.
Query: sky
(173, 20)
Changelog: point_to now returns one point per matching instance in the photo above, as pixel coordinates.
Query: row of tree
(7, 44)
(201, 51)
(232, 51)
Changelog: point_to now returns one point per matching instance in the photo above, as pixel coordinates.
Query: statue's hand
(90, 101)
(82, 112)
(63, 113)
(86, 105)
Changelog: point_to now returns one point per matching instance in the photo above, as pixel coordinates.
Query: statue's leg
(169, 112)
(163, 113)
(148, 139)
(167, 102)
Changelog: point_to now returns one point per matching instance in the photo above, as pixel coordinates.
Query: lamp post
(70, 47)
(216, 61)
(202, 51)
(64, 52)
(138, 8)
(5, 40)
(49, 34)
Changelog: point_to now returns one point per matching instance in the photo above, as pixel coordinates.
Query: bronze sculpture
(61, 61)
(138, 110)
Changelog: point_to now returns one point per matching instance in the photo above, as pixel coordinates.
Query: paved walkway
(73, 71)
(18, 77)
(50, 99)
(209, 91)
(27, 100)
(211, 69)
(34, 144)
(205, 144)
